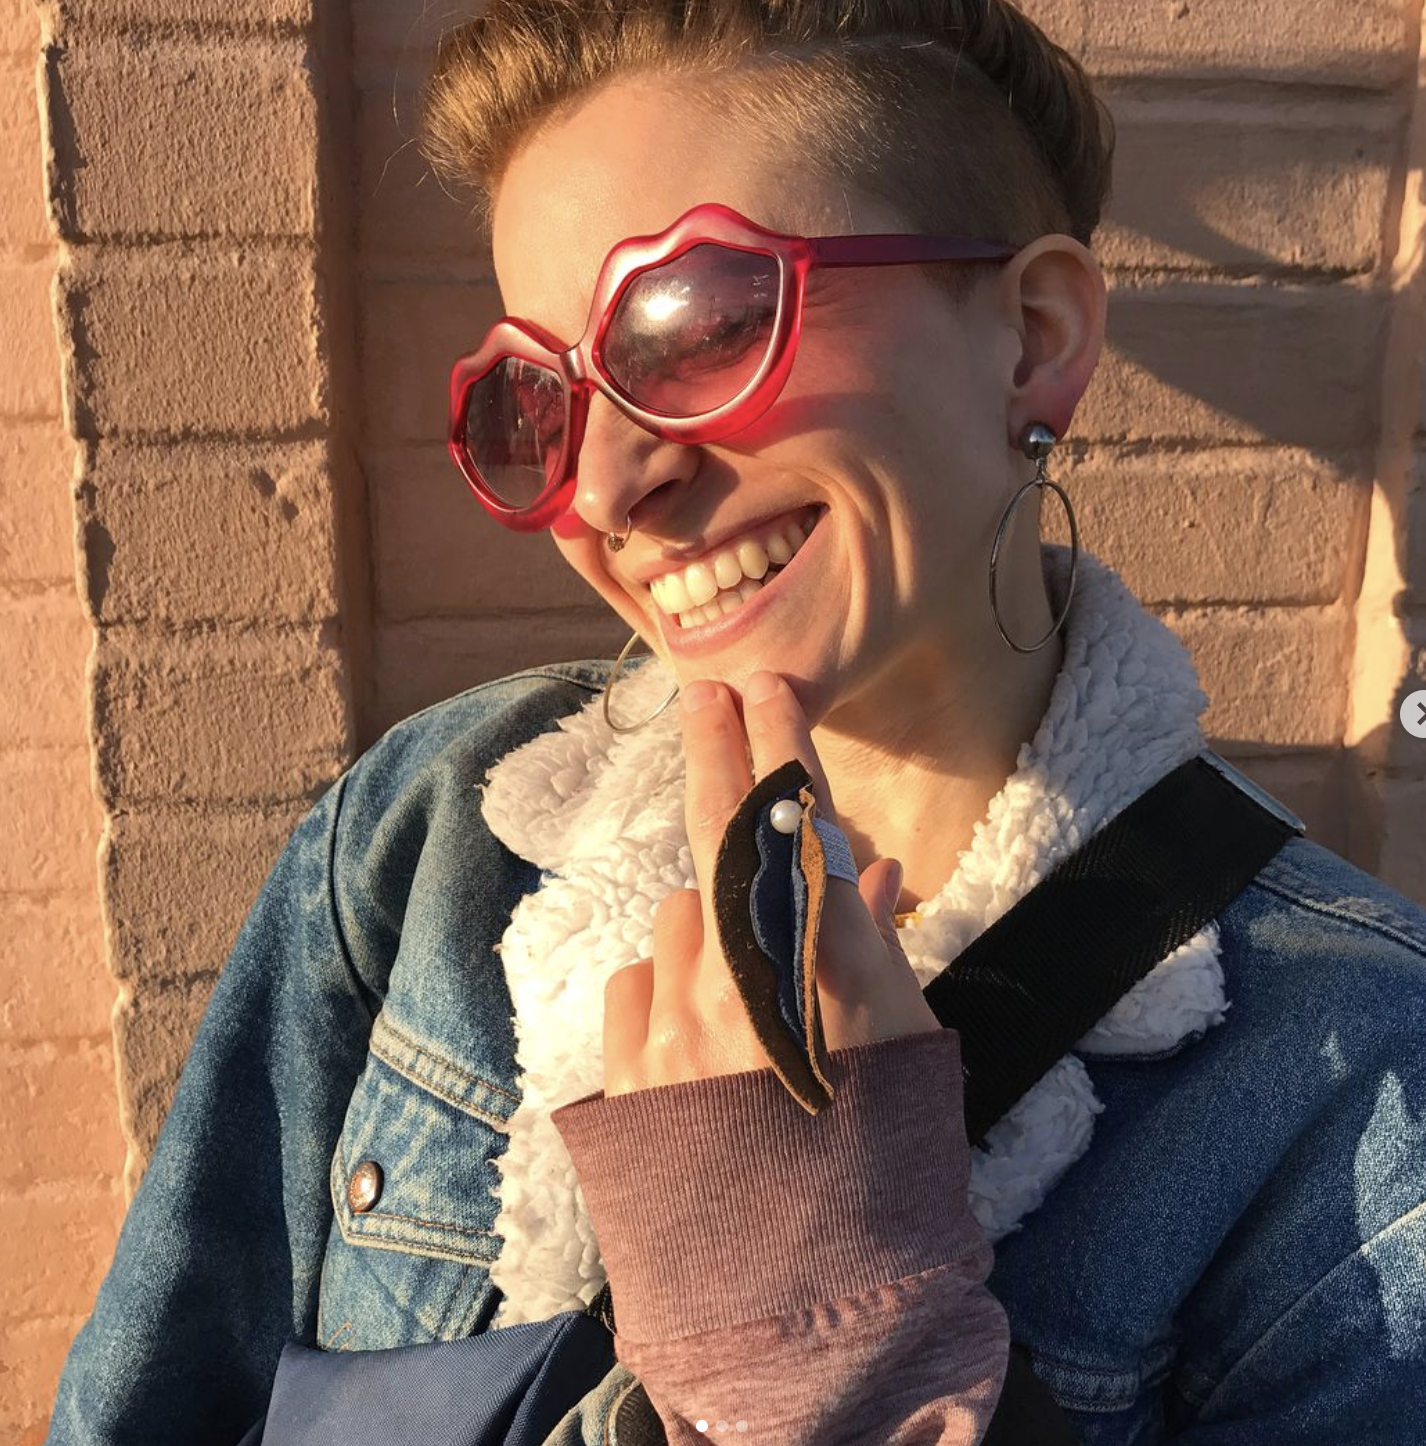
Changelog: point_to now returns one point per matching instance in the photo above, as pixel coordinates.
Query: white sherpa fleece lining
(602, 815)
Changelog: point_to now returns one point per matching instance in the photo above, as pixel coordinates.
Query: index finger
(777, 730)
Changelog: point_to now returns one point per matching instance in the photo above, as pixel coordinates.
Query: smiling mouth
(721, 583)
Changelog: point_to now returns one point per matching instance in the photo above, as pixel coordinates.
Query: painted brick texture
(24, 224)
(61, 1200)
(176, 341)
(169, 524)
(256, 521)
(217, 136)
(102, 17)
(248, 717)
(233, 549)
(185, 178)
(36, 508)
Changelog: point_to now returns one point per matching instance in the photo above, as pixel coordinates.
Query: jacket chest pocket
(412, 1183)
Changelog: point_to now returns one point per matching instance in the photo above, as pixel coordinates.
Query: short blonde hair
(962, 116)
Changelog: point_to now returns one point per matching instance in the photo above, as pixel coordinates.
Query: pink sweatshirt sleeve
(818, 1277)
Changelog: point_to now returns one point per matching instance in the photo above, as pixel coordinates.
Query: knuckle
(626, 976)
(708, 819)
(678, 904)
(678, 924)
(723, 1011)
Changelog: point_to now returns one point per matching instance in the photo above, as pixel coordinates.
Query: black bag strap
(1043, 974)
(1024, 991)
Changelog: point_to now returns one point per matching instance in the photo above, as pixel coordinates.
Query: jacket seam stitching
(420, 1249)
(611, 1421)
(440, 1061)
(1319, 906)
(451, 1302)
(1127, 1386)
(373, 1219)
(334, 904)
(542, 672)
(1162, 1359)
(431, 1088)
(369, 1237)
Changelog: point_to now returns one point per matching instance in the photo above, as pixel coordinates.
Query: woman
(1204, 1222)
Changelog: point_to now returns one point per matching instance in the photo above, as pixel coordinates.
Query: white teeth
(752, 558)
(727, 569)
(671, 594)
(701, 584)
(716, 586)
(725, 603)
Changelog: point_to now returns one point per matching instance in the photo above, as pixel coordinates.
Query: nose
(619, 463)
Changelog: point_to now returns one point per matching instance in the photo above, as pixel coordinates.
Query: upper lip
(656, 567)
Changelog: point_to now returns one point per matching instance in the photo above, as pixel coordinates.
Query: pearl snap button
(785, 816)
(364, 1187)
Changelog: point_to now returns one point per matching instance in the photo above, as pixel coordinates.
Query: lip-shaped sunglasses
(691, 333)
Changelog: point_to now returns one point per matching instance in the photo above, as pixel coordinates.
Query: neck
(911, 783)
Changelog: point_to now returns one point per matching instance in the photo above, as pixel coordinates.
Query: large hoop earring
(609, 688)
(1036, 444)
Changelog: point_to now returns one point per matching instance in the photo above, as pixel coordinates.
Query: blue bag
(508, 1387)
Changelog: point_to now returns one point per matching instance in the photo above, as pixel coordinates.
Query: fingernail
(698, 694)
(761, 686)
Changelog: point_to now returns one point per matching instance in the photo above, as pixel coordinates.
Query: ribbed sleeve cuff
(721, 1201)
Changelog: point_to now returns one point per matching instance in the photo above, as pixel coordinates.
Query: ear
(1055, 298)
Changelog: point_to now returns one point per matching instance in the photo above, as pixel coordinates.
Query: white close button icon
(1413, 713)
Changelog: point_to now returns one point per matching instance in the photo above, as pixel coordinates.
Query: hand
(679, 1016)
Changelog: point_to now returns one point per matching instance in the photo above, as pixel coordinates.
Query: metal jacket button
(364, 1187)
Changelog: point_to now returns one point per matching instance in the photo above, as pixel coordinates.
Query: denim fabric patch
(779, 914)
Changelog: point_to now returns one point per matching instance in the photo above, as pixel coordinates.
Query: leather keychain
(769, 889)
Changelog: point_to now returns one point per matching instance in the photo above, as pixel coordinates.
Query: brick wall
(233, 549)
(1233, 457)
(61, 1199)
(1384, 811)
(197, 172)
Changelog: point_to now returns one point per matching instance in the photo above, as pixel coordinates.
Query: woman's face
(892, 432)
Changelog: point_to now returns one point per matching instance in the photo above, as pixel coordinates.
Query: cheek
(579, 553)
(570, 526)
(583, 556)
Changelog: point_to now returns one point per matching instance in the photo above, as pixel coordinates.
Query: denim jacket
(1237, 1258)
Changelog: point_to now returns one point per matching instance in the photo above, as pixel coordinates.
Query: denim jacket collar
(601, 814)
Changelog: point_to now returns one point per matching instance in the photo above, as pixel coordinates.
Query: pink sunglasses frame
(581, 365)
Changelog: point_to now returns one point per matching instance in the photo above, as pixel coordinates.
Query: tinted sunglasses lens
(514, 429)
(688, 336)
